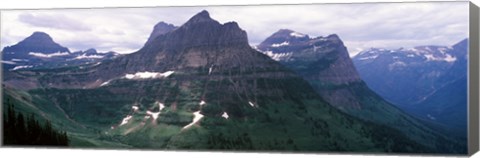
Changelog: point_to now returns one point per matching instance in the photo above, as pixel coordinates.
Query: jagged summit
(201, 30)
(160, 29)
(203, 16)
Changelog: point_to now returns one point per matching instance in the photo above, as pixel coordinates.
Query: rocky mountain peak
(201, 30)
(283, 38)
(39, 36)
(37, 42)
(160, 29)
(203, 16)
(334, 37)
(91, 51)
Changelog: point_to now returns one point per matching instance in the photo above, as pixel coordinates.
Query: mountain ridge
(421, 74)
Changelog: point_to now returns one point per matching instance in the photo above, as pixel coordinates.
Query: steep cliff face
(326, 55)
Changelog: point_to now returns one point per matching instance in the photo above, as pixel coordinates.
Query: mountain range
(202, 86)
(39, 51)
(429, 82)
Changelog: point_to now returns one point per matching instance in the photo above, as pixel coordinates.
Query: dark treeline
(21, 130)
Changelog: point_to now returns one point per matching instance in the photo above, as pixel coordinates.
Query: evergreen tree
(19, 130)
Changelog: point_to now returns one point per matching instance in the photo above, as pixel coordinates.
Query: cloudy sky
(360, 26)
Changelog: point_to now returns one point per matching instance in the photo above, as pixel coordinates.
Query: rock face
(324, 62)
(173, 92)
(427, 81)
(326, 55)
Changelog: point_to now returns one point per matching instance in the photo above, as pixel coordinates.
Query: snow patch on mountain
(148, 75)
(126, 119)
(105, 83)
(210, 70)
(225, 115)
(135, 108)
(202, 103)
(9, 62)
(448, 58)
(85, 56)
(280, 44)
(196, 118)
(251, 104)
(296, 34)
(155, 115)
(278, 56)
(19, 59)
(368, 58)
(22, 67)
(42, 55)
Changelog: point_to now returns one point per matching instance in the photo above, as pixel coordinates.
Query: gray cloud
(53, 21)
(361, 25)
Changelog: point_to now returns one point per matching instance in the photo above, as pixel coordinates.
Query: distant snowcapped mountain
(384, 69)
(281, 44)
(40, 51)
(416, 54)
(428, 81)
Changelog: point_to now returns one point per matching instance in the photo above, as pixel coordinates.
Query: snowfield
(42, 55)
(447, 58)
(84, 56)
(105, 83)
(197, 118)
(278, 56)
(296, 34)
(9, 62)
(135, 108)
(368, 58)
(126, 119)
(225, 115)
(280, 44)
(251, 104)
(156, 114)
(148, 75)
(22, 67)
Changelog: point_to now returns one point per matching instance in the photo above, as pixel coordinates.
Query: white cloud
(52, 21)
(360, 26)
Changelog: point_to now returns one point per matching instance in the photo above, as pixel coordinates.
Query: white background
(84, 153)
